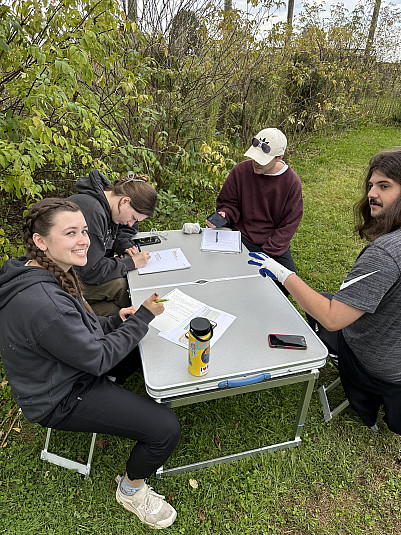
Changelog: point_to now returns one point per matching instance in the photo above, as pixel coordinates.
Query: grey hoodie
(106, 236)
(49, 342)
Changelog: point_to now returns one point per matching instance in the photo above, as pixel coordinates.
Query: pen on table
(217, 237)
(160, 300)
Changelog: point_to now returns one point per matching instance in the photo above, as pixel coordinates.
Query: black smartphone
(287, 341)
(148, 240)
(217, 220)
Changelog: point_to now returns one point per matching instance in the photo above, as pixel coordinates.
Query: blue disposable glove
(269, 267)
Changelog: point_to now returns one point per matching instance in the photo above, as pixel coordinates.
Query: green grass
(342, 480)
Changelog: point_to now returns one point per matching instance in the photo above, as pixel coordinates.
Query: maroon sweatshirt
(267, 209)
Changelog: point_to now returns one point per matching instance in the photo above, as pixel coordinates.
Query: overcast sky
(281, 14)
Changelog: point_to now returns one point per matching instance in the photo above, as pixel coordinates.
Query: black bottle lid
(200, 326)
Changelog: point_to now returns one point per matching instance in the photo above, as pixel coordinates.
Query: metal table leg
(309, 380)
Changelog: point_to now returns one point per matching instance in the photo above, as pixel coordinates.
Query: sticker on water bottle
(205, 356)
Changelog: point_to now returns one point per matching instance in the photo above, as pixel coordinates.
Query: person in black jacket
(58, 355)
(112, 212)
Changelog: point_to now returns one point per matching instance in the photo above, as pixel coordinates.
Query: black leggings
(104, 407)
(364, 392)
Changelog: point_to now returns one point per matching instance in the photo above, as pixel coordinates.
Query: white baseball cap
(266, 145)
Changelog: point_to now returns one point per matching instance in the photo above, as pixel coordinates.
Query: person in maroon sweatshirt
(262, 198)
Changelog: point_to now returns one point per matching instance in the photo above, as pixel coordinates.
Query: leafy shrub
(7, 249)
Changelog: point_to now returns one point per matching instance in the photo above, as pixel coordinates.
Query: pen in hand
(160, 300)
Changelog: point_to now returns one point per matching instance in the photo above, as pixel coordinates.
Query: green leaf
(4, 46)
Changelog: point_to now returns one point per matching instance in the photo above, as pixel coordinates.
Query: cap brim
(258, 155)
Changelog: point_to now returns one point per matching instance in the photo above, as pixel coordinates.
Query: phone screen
(289, 341)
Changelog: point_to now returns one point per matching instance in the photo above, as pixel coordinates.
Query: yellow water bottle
(200, 333)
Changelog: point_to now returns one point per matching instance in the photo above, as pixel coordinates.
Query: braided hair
(40, 220)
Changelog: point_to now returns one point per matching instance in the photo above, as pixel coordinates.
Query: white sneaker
(150, 507)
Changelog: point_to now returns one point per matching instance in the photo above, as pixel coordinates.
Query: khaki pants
(107, 299)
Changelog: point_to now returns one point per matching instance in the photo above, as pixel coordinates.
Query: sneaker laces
(152, 500)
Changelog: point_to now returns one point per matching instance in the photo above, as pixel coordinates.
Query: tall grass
(342, 480)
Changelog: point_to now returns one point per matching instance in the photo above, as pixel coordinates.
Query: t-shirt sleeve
(372, 276)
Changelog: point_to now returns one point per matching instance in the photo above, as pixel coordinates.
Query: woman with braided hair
(58, 355)
(112, 212)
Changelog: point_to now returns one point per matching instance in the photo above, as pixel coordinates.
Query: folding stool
(68, 463)
(329, 413)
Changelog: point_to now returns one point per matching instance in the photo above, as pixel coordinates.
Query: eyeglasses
(262, 144)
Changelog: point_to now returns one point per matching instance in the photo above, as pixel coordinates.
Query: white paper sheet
(221, 320)
(177, 309)
(224, 241)
(165, 260)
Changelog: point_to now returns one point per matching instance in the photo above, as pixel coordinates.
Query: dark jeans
(285, 260)
(98, 405)
(364, 391)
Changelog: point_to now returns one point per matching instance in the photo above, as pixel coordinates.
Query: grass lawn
(342, 480)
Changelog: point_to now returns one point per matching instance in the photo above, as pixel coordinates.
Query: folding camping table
(241, 361)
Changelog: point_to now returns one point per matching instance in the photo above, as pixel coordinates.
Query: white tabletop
(204, 265)
(243, 351)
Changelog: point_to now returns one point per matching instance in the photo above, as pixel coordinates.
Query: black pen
(217, 237)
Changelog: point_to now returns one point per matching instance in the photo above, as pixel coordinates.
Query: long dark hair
(142, 194)
(40, 219)
(387, 163)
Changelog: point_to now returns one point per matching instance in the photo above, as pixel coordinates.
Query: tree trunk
(290, 11)
(132, 10)
(372, 29)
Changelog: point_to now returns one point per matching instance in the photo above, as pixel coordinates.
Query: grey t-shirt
(374, 285)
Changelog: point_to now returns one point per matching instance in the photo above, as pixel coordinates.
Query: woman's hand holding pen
(153, 305)
(140, 259)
